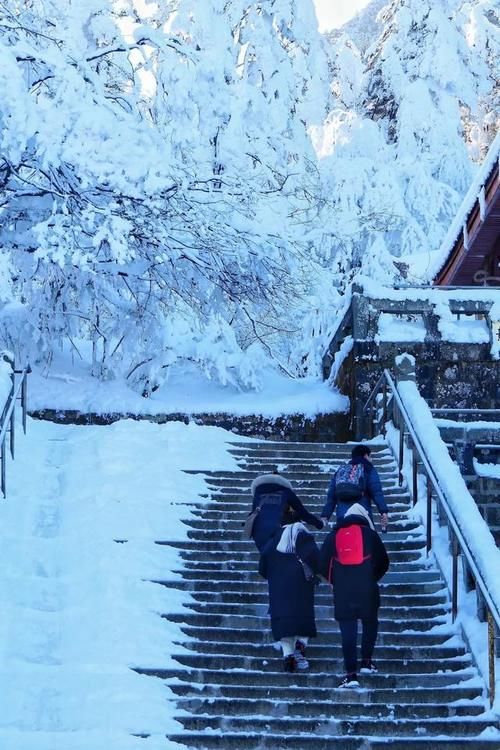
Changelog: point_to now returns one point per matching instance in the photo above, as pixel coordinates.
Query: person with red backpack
(356, 481)
(353, 559)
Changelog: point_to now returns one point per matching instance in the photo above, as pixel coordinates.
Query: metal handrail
(466, 411)
(7, 422)
(459, 542)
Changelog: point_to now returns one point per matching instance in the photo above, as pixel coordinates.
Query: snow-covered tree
(419, 77)
(480, 20)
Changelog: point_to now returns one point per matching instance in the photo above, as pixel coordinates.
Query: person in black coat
(272, 494)
(371, 490)
(289, 562)
(353, 559)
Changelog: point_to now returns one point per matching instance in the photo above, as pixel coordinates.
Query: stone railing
(452, 333)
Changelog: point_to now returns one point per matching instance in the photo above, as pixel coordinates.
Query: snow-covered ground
(77, 608)
(70, 386)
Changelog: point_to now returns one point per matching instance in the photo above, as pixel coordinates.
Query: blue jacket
(272, 493)
(291, 596)
(373, 491)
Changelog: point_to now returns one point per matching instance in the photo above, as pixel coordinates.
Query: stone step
(234, 527)
(200, 544)
(245, 599)
(405, 589)
(314, 679)
(394, 666)
(239, 511)
(488, 504)
(235, 517)
(249, 566)
(271, 741)
(427, 583)
(400, 612)
(217, 619)
(329, 636)
(310, 482)
(306, 492)
(275, 445)
(471, 726)
(397, 501)
(322, 651)
(313, 451)
(248, 474)
(321, 467)
(303, 693)
(308, 458)
(394, 541)
(342, 710)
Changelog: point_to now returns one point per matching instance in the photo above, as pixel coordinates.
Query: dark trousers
(349, 632)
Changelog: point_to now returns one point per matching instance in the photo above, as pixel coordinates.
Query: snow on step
(231, 691)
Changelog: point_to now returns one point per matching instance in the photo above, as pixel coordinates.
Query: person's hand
(384, 520)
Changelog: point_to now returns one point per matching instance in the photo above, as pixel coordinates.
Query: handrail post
(428, 530)
(491, 655)
(24, 400)
(384, 408)
(401, 453)
(3, 485)
(12, 416)
(12, 432)
(454, 578)
(414, 472)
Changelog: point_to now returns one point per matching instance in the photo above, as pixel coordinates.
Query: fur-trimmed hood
(270, 479)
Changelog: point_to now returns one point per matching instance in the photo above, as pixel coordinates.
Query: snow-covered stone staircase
(230, 688)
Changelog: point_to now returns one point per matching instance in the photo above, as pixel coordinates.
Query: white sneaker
(368, 667)
(349, 681)
(299, 654)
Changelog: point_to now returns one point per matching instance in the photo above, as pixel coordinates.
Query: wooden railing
(18, 392)
(383, 404)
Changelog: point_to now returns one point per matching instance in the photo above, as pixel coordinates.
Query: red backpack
(348, 547)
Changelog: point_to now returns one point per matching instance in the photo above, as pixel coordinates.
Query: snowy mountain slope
(364, 28)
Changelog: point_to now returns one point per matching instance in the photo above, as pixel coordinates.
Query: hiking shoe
(300, 655)
(349, 681)
(368, 666)
(289, 663)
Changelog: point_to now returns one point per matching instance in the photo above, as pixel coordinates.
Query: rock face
(230, 690)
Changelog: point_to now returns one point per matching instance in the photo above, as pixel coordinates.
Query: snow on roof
(441, 256)
(432, 294)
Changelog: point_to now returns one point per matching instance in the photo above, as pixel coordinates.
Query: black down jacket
(355, 588)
